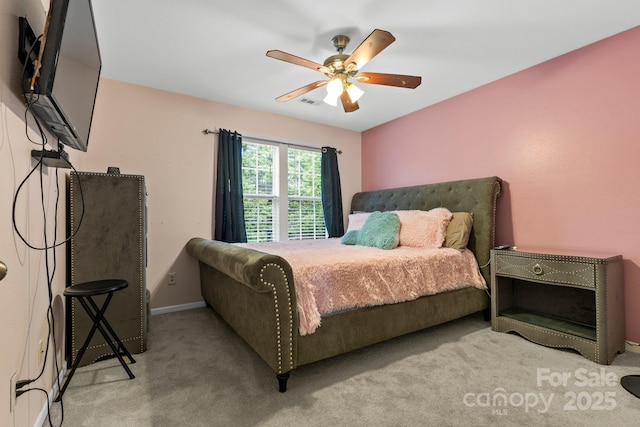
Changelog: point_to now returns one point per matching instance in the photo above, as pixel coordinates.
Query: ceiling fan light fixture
(332, 99)
(334, 90)
(354, 92)
(334, 87)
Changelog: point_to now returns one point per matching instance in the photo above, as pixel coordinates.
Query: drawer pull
(537, 269)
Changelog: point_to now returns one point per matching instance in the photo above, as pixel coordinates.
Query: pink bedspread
(330, 276)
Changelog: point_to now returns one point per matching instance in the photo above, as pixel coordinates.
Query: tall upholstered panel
(107, 224)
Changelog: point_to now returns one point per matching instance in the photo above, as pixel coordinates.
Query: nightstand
(560, 300)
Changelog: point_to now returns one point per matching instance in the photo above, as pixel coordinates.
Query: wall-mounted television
(63, 92)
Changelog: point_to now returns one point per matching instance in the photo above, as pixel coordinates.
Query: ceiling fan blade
(287, 57)
(397, 80)
(301, 90)
(347, 104)
(370, 47)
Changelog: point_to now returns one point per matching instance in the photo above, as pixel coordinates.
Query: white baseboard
(179, 307)
(44, 412)
(634, 348)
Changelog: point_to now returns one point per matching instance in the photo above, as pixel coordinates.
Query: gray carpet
(197, 372)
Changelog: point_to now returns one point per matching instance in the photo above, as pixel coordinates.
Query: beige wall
(159, 135)
(142, 131)
(23, 293)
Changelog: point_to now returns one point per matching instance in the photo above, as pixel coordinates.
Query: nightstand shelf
(559, 300)
(552, 322)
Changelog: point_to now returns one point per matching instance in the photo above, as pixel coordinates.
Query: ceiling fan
(342, 67)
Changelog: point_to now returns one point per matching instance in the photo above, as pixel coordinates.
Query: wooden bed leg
(282, 381)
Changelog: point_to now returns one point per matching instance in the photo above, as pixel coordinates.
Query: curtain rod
(208, 131)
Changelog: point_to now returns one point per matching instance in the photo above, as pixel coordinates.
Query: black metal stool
(84, 292)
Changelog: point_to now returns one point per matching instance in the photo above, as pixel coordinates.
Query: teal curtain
(331, 192)
(229, 224)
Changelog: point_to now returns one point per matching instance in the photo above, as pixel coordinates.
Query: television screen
(63, 96)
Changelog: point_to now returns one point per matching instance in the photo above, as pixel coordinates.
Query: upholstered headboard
(470, 195)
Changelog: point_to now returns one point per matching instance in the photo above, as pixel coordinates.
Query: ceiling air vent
(310, 101)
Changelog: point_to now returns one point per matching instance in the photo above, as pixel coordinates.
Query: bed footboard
(253, 292)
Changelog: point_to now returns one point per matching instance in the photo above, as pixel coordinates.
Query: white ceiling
(216, 49)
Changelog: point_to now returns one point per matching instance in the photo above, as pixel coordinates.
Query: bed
(254, 291)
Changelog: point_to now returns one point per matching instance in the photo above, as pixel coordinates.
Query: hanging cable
(50, 260)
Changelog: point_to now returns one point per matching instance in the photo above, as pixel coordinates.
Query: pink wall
(565, 137)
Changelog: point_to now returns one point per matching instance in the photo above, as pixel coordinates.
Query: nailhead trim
(277, 316)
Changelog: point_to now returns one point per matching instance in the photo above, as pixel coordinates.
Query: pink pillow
(424, 229)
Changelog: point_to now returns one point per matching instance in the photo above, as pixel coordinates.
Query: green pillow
(381, 230)
(350, 237)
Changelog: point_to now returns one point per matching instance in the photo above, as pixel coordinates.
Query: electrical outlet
(12, 392)
(172, 279)
(41, 350)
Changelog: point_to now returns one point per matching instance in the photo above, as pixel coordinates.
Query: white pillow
(357, 220)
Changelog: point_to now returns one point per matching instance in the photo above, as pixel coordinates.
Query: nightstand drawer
(561, 271)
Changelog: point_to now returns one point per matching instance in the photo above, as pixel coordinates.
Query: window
(282, 193)
(259, 161)
(305, 215)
